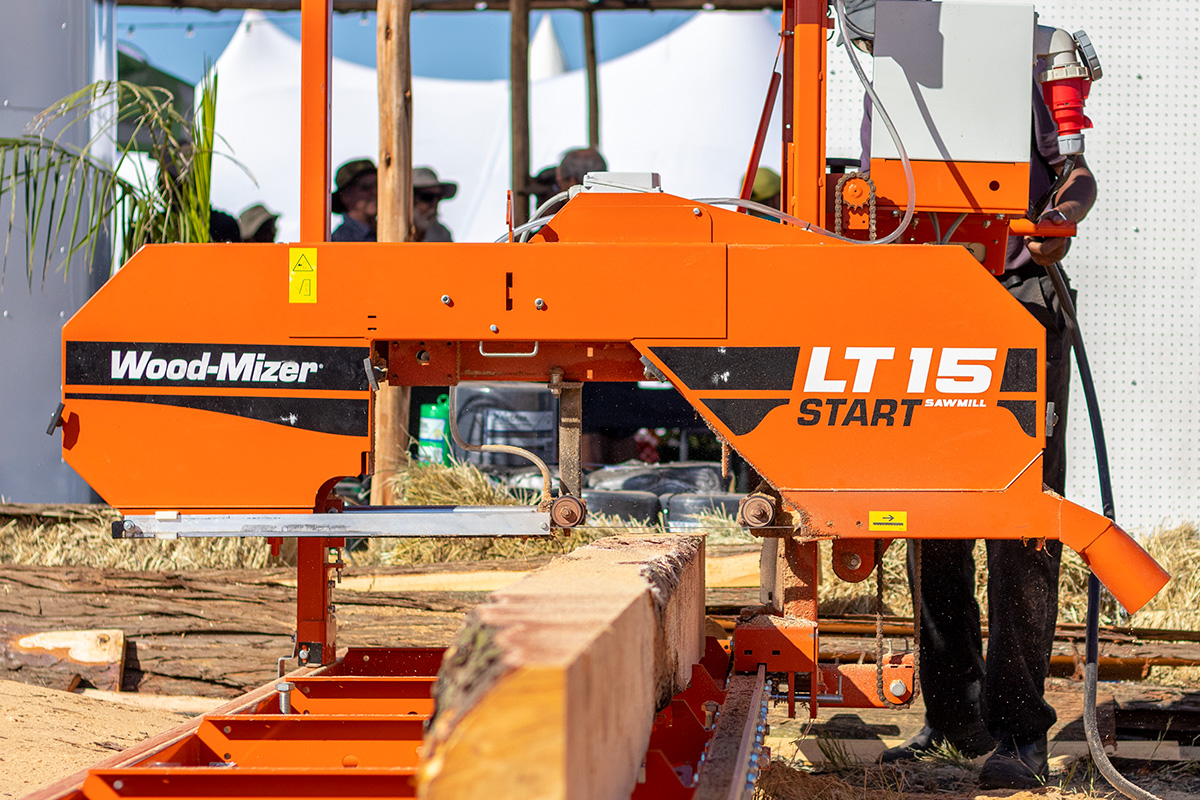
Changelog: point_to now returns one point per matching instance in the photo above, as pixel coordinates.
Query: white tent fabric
(685, 106)
(545, 53)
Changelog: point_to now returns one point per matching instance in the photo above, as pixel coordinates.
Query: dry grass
(77, 538)
(83, 539)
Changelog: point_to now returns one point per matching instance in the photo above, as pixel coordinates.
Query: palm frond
(72, 202)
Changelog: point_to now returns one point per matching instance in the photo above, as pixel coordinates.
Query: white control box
(956, 79)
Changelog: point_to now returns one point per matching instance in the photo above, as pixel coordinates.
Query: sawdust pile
(48, 734)
(956, 778)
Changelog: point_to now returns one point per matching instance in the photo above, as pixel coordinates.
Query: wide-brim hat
(253, 218)
(426, 180)
(347, 174)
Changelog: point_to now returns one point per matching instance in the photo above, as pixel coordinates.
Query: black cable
(1092, 651)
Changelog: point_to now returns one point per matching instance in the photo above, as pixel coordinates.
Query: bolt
(495, 329)
(226, 729)
(118, 785)
(710, 714)
(127, 525)
(303, 654)
(545, 526)
(852, 560)
(285, 696)
(539, 304)
(696, 211)
(445, 299)
(898, 688)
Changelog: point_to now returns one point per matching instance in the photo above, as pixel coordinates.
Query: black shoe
(1013, 767)
(975, 743)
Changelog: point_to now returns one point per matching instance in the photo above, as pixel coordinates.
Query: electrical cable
(877, 105)
(1091, 660)
(953, 227)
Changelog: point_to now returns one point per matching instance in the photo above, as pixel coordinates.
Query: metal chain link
(916, 592)
(838, 203)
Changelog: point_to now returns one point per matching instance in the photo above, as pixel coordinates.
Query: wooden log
(551, 686)
(593, 78)
(394, 72)
(518, 81)
(62, 659)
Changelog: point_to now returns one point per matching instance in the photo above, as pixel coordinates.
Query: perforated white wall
(1135, 261)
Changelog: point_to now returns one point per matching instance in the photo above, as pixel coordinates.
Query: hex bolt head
(495, 329)
(445, 299)
(852, 560)
(539, 304)
(898, 688)
(127, 525)
(696, 211)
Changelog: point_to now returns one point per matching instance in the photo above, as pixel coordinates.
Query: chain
(916, 591)
(838, 203)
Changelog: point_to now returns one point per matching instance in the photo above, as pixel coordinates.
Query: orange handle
(1046, 228)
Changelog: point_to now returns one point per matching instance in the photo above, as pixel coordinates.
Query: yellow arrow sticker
(302, 274)
(888, 521)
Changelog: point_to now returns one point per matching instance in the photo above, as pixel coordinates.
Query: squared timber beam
(551, 686)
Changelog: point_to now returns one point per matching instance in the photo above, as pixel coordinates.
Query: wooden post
(393, 57)
(593, 78)
(519, 86)
(551, 687)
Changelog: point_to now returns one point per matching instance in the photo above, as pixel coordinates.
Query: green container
(433, 433)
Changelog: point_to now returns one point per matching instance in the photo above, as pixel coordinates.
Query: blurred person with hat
(765, 191)
(257, 224)
(356, 198)
(428, 191)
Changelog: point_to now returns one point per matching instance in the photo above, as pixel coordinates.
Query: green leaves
(71, 202)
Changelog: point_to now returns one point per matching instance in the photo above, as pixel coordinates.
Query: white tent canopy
(685, 106)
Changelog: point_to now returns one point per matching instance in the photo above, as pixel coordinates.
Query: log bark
(551, 686)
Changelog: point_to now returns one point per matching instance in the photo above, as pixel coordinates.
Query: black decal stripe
(1020, 370)
(734, 368)
(1026, 413)
(339, 368)
(340, 417)
(743, 415)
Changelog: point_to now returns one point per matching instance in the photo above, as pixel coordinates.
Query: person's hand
(1048, 250)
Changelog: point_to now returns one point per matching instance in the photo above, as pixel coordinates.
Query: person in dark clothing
(257, 224)
(222, 227)
(428, 191)
(356, 198)
(998, 705)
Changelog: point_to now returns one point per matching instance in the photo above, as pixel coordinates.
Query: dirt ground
(46, 734)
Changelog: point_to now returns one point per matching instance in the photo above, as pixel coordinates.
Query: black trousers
(960, 692)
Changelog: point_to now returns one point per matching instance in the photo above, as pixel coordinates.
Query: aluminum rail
(389, 522)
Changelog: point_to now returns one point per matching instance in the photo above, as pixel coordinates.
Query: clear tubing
(887, 121)
(536, 220)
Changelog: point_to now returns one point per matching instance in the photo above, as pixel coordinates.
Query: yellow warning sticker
(888, 521)
(302, 274)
